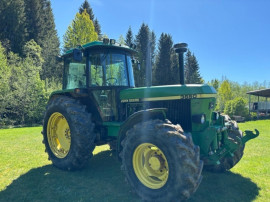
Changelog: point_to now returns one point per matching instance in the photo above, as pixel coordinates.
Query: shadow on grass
(102, 180)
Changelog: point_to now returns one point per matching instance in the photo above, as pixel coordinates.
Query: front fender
(143, 115)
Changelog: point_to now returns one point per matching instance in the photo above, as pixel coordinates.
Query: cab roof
(102, 45)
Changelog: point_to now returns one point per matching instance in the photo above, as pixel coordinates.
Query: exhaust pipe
(181, 48)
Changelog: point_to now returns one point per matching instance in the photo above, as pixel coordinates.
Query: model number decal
(188, 96)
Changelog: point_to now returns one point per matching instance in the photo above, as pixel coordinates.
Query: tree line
(29, 70)
(232, 97)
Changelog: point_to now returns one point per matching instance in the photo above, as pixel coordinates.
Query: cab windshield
(110, 69)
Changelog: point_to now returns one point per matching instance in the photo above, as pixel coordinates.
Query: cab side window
(75, 74)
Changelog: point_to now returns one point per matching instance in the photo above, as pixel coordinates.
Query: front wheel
(160, 162)
(228, 162)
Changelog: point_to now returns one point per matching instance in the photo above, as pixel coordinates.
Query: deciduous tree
(86, 6)
(224, 95)
(81, 31)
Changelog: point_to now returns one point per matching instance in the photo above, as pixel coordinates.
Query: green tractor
(163, 134)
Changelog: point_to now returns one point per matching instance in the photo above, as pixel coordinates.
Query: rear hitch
(249, 135)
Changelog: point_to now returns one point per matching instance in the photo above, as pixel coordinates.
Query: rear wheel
(160, 162)
(68, 133)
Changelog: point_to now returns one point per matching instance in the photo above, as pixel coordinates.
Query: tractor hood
(169, 92)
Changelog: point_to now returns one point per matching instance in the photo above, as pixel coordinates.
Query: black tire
(229, 162)
(183, 160)
(80, 131)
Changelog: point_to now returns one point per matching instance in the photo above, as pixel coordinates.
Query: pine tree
(129, 37)
(34, 20)
(86, 6)
(163, 67)
(81, 31)
(145, 41)
(97, 28)
(50, 44)
(41, 27)
(13, 24)
(192, 74)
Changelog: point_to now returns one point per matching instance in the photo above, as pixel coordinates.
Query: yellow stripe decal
(194, 96)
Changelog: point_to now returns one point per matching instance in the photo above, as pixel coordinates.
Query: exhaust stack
(181, 48)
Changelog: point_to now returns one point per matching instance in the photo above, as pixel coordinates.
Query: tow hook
(249, 135)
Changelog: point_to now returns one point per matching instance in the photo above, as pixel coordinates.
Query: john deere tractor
(163, 134)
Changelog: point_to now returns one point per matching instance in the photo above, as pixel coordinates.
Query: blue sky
(230, 38)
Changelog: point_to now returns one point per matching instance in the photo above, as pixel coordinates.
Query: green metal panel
(202, 106)
(170, 91)
(205, 138)
(113, 128)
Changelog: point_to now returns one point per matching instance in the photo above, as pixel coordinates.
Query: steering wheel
(111, 84)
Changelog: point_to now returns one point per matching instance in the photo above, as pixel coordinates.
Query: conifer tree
(41, 28)
(163, 72)
(13, 24)
(97, 28)
(81, 31)
(129, 37)
(145, 41)
(50, 44)
(86, 6)
(192, 74)
(34, 20)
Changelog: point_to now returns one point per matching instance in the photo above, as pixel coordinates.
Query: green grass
(27, 175)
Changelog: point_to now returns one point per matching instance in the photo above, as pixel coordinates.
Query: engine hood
(169, 92)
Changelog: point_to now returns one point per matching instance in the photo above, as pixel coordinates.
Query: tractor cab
(98, 64)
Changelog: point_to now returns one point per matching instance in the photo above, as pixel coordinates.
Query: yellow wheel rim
(58, 134)
(150, 165)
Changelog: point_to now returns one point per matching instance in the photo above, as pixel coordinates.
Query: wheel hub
(154, 163)
(150, 166)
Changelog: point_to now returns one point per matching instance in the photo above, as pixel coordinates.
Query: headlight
(202, 119)
(199, 118)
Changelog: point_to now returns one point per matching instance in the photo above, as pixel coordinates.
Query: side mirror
(77, 55)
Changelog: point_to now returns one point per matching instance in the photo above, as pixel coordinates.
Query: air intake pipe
(181, 48)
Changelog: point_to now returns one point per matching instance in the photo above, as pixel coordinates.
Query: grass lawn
(27, 175)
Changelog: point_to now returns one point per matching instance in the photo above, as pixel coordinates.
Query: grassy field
(27, 175)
